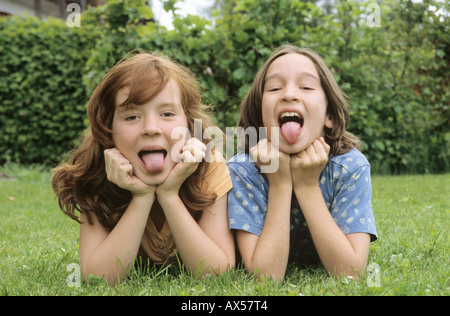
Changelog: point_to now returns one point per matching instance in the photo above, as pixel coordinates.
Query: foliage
(395, 73)
(397, 79)
(118, 25)
(41, 93)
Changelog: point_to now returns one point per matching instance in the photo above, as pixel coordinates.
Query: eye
(273, 89)
(131, 117)
(168, 114)
(306, 88)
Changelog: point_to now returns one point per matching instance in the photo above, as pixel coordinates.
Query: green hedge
(396, 74)
(42, 97)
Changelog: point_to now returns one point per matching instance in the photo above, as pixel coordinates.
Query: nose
(291, 93)
(151, 126)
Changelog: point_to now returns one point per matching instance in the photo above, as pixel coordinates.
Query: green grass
(38, 243)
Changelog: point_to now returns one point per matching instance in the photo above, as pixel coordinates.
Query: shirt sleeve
(351, 208)
(218, 178)
(247, 200)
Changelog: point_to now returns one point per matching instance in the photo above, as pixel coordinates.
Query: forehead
(170, 94)
(292, 65)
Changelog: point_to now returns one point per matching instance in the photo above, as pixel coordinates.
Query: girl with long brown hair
(316, 205)
(139, 184)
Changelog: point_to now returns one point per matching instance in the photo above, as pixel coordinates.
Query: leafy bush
(395, 74)
(42, 96)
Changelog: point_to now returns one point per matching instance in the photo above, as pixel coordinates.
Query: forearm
(114, 257)
(271, 253)
(199, 253)
(335, 250)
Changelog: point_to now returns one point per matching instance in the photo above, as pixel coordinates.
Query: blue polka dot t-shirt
(346, 187)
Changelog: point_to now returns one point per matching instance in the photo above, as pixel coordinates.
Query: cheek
(123, 140)
(117, 133)
(267, 115)
(177, 133)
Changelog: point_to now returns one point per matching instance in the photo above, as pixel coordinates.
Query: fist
(308, 164)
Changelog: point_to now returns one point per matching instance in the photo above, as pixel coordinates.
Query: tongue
(154, 162)
(291, 131)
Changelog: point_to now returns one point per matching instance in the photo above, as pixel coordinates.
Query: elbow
(349, 271)
(206, 266)
(275, 273)
(93, 276)
(202, 271)
(275, 277)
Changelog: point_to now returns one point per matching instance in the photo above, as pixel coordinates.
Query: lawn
(39, 248)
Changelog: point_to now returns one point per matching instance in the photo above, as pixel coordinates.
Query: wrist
(164, 197)
(167, 190)
(144, 195)
(143, 202)
(279, 179)
(306, 187)
(281, 186)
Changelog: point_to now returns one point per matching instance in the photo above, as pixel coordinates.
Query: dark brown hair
(339, 139)
(81, 184)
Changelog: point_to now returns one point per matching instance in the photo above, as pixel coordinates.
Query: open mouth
(153, 159)
(291, 124)
(286, 117)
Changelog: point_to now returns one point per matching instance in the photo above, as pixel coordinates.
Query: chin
(153, 179)
(292, 149)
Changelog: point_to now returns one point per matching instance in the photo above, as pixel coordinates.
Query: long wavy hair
(80, 182)
(339, 139)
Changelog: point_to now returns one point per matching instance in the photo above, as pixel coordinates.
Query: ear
(328, 122)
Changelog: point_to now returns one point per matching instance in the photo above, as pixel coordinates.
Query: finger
(115, 155)
(197, 149)
(187, 156)
(126, 168)
(311, 150)
(321, 148)
(325, 146)
(113, 152)
(125, 173)
(264, 151)
(194, 142)
(302, 156)
(318, 147)
(254, 153)
(114, 160)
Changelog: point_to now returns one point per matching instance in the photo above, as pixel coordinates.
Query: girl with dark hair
(316, 206)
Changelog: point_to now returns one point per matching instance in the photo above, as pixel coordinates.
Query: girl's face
(294, 101)
(142, 133)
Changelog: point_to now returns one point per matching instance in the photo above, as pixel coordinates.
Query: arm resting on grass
(112, 254)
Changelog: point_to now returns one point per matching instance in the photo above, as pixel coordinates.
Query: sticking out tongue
(154, 161)
(291, 131)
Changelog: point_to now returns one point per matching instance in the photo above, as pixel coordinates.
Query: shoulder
(216, 165)
(247, 180)
(243, 165)
(347, 171)
(218, 176)
(349, 162)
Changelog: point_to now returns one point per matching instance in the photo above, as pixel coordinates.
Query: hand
(192, 153)
(308, 164)
(274, 163)
(120, 172)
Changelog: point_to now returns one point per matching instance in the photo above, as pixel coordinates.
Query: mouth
(291, 116)
(291, 124)
(153, 158)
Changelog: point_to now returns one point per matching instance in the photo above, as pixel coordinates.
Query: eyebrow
(170, 105)
(301, 74)
(162, 105)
